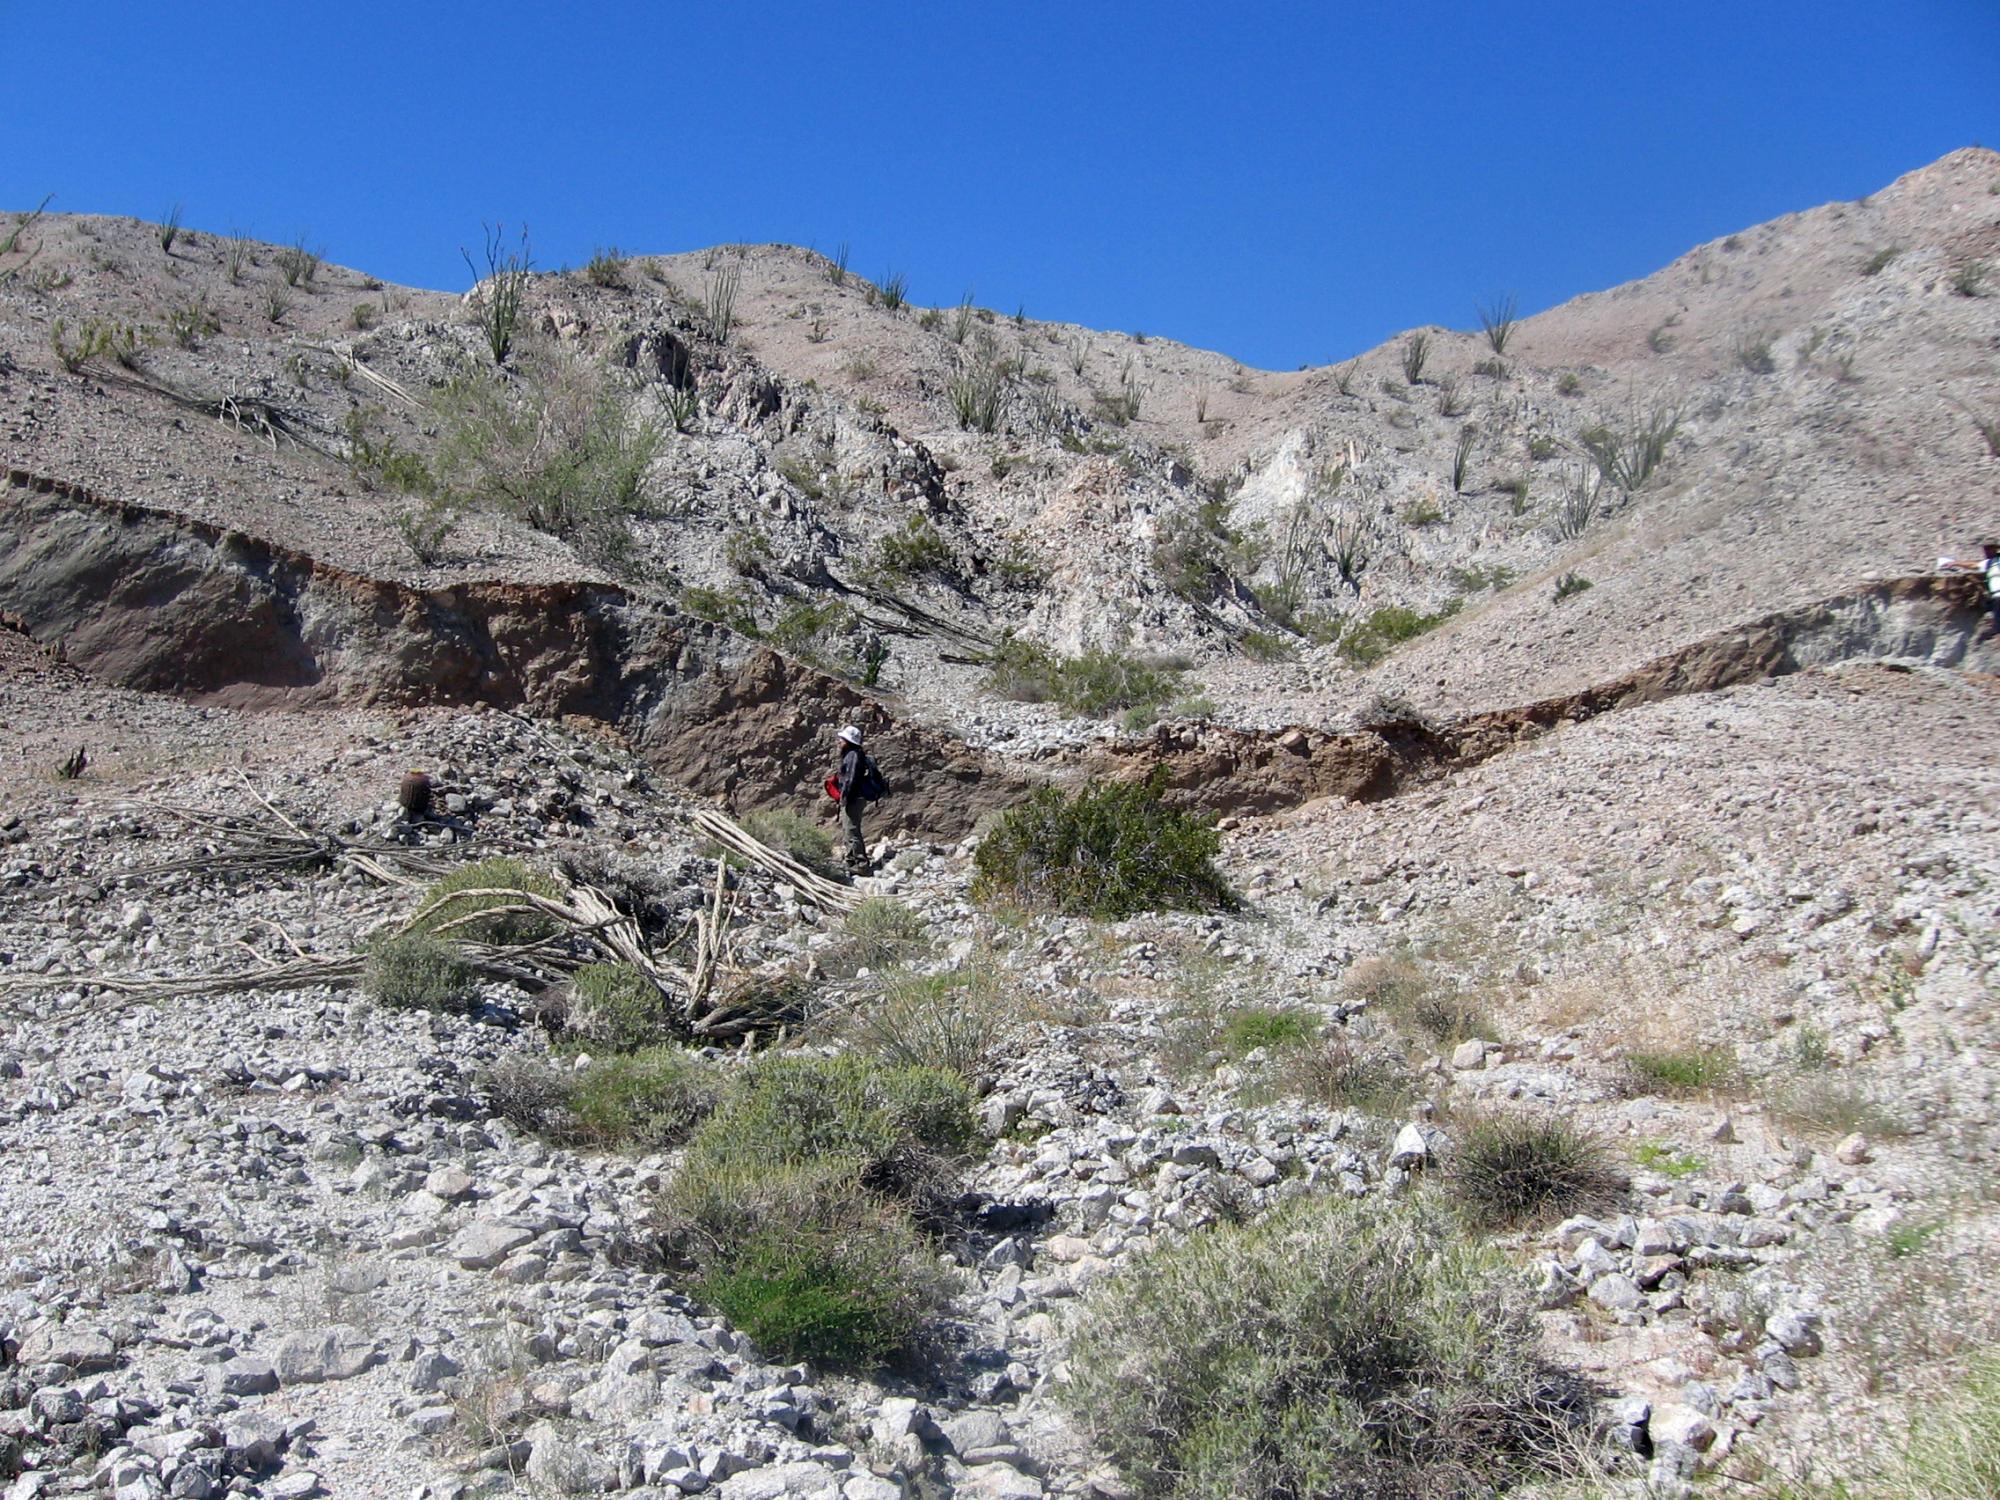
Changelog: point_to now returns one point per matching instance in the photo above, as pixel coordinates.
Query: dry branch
(815, 887)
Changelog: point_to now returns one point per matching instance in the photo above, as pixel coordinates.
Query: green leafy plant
(1109, 850)
(1368, 640)
(1266, 1027)
(810, 843)
(977, 388)
(1655, 1156)
(919, 548)
(733, 608)
(1096, 683)
(615, 1006)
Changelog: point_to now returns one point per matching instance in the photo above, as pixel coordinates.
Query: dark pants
(850, 825)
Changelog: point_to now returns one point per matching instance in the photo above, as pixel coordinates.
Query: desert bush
(554, 447)
(415, 971)
(1366, 641)
(1498, 321)
(806, 841)
(1416, 351)
(795, 1203)
(1879, 261)
(1461, 457)
(733, 607)
(1969, 280)
(190, 319)
(1189, 557)
(615, 1006)
(493, 917)
(977, 388)
(298, 263)
(1398, 992)
(652, 1098)
(1753, 353)
(168, 229)
(235, 255)
(1344, 1070)
(1576, 506)
(606, 268)
(917, 549)
(1328, 1349)
(1830, 1101)
(877, 934)
(1510, 1170)
(1267, 1027)
(895, 291)
(1628, 456)
(1097, 683)
(1680, 1070)
(718, 302)
(1569, 585)
(1109, 850)
(954, 1022)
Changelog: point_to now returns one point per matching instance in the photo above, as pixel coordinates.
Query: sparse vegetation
(1327, 1349)
(191, 319)
(1969, 280)
(1569, 384)
(1268, 1028)
(500, 293)
(606, 268)
(718, 302)
(651, 1098)
(1416, 351)
(918, 549)
(615, 1006)
(895, 291)
(1657, 1157)
(1628, 456)
(836, 267)
(1108, 850)
(810, 843)
(978, 387)
(415, 971)
(732, 607)
(795, 1204)
(1096, 683)
(1680, 1071)
(1367, 640)
(877, 934)
(168, 229)
(954, 1022)
(487, 902)
(298, 263)
(1498, 322)
(1569, 585)
(1518, 1169)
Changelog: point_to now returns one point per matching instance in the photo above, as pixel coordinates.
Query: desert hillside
(1497, 834)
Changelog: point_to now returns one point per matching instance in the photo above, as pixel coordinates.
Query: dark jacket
(859, 779)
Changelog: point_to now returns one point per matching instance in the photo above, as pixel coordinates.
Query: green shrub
(606, 268)
(952, 1022)
(794, 1201)
(1399, 992)
(1340, 1071)
(917, 549)
(1265, 645)
(1969, 280)
(1570, 585)
(1097, 683)
(1416, 350)
(1656, 1156)
(1367, 641)
(732, 608)
(298, 263)
(1261, 1026)
(1681, 1070)
(615, 1006)
(651, 1098)
(877, 934)
(505, 880)
(1498, 321)
(853, 1297)
(1879, 261)
(414, 971)
(1510, 1170)
(1108, 850)
(1328, 1350)
(810, 843)
(1628, 456)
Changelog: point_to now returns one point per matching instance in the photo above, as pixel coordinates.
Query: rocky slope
(1735, 803)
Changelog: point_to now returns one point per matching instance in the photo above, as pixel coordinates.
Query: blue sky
(1288, 183)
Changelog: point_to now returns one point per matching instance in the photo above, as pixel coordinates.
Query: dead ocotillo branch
(815, 887)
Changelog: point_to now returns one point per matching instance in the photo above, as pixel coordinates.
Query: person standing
(857, 781)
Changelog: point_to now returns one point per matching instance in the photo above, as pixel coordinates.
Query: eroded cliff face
(146, 599)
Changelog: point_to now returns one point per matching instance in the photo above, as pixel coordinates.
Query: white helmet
(850, 735)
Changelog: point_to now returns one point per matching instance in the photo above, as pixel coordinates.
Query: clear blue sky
(1289, 183)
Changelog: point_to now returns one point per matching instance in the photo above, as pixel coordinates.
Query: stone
(300, 1485)
(975, 1430)
(869, 1487)
(483, 1244)
(252, 1438)
(1000, 1482)
(430, 1370)
(1410, 1148)
(1795, 1332)
(246, 1375)
(798, 1481)
(1616, 1293)
(449, 1184)
(1682, 1424)
(1469, 1054)
(81, 1349)
(1852, 1150)
(340, 1352)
